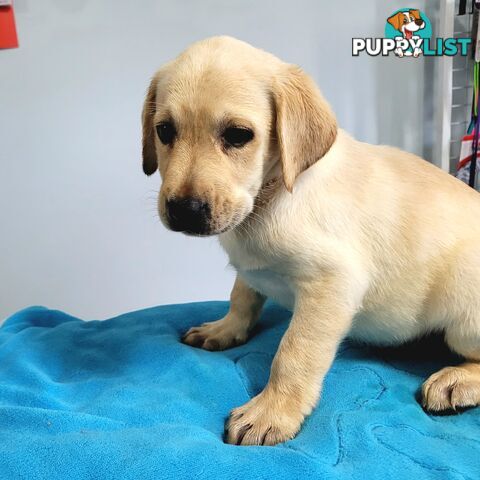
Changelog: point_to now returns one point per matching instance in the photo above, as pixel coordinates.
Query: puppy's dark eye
(237, 136)
(166, 132)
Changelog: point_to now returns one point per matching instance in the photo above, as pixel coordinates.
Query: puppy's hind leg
(452, 388)
(459, 387)
(245, 307)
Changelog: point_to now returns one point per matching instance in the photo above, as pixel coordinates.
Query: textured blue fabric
(124, 399)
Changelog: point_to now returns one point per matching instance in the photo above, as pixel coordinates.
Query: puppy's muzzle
(189, 215)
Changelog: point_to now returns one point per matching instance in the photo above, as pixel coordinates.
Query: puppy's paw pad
(451, 388)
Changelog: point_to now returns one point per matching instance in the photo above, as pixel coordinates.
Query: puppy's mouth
(410, 29)
(204, 231)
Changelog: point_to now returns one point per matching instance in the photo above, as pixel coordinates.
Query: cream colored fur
(356, 239)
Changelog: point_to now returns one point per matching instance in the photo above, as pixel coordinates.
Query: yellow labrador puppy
(356, 239)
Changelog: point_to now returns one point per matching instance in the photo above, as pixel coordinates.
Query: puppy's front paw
(263, 421)
(217, 335)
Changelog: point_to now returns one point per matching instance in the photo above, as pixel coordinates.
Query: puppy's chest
(259, 268)
(271, 284)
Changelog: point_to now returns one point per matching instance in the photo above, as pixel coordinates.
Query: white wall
(78, 229)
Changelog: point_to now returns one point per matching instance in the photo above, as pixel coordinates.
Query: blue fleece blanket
(124, 399)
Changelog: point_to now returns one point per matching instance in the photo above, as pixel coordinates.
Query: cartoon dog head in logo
(407, 22)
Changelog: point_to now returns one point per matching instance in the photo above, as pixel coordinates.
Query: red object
(8, 32)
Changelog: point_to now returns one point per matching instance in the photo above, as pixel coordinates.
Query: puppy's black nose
(189, 215)
(419, 21)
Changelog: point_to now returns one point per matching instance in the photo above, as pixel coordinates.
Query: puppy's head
(407, 22)
(218, 122)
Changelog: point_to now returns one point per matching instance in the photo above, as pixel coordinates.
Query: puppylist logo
(408, 33)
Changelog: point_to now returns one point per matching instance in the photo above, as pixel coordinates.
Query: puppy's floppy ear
(149, 153)
(396, 20)
(415, 13)
(305, 125)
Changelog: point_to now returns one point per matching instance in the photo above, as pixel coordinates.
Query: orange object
(8, 32)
